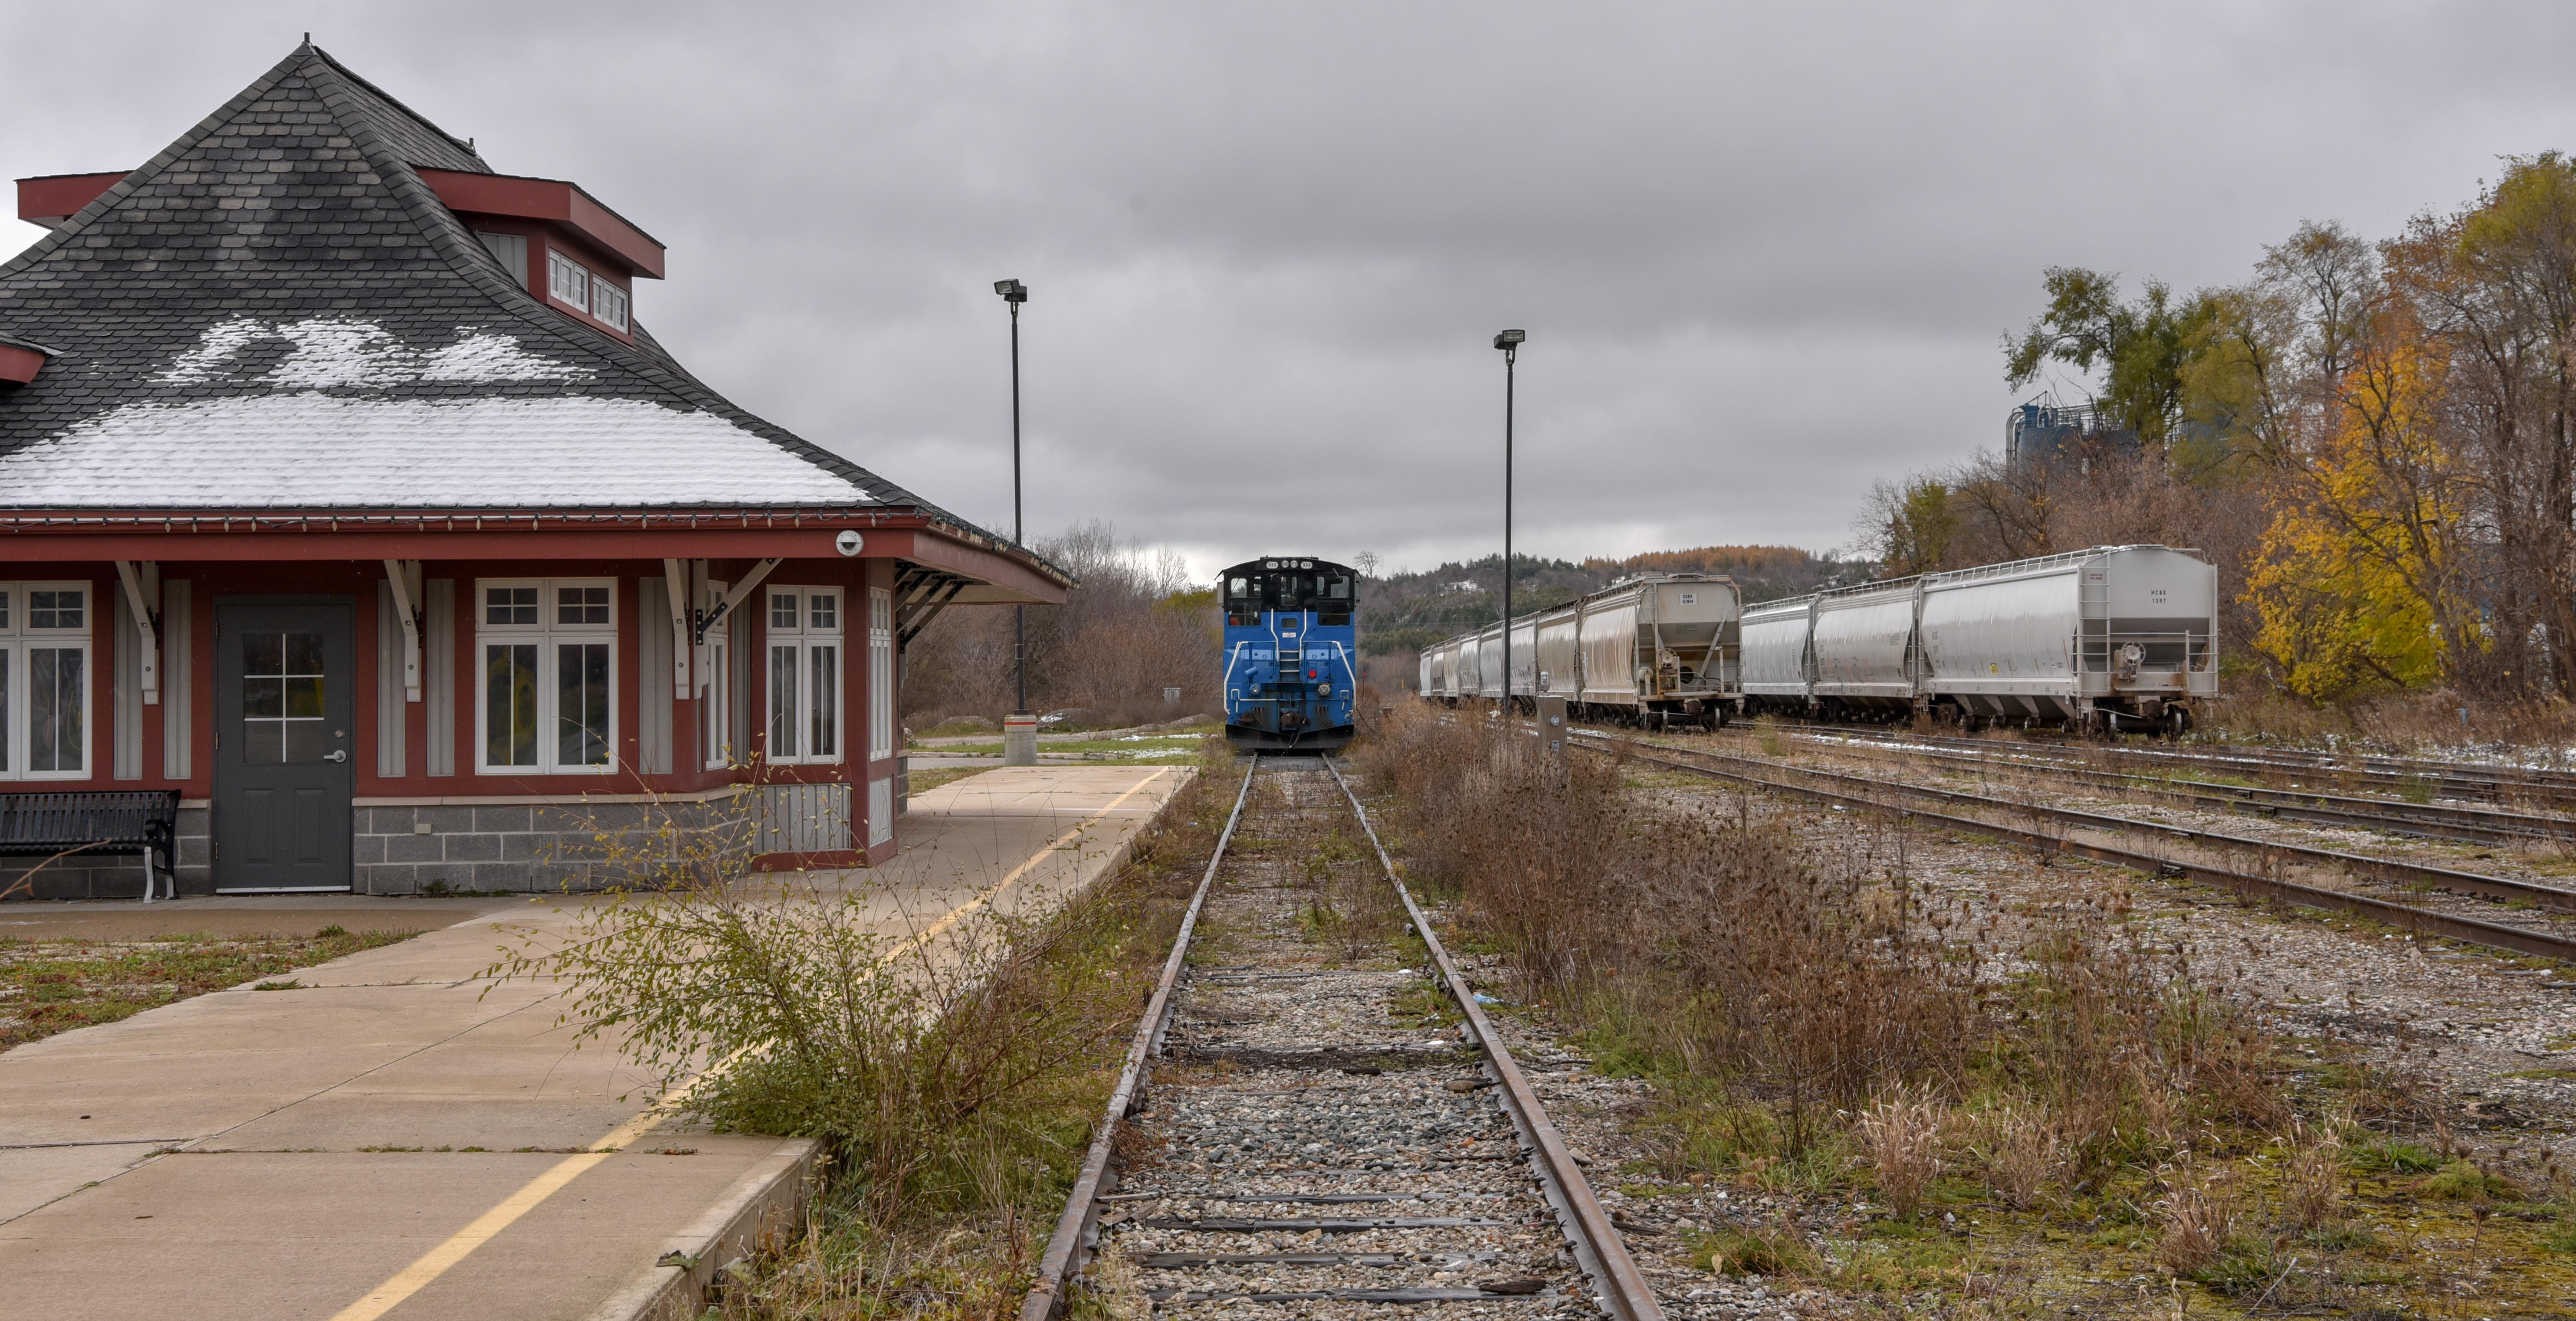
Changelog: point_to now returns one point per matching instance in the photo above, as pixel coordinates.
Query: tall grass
(953, 1081)
(1780, 984)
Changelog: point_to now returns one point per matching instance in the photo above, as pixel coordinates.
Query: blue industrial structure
(1291, 654)
(2041, 429)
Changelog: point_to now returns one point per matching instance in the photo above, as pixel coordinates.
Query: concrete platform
(272, 1154)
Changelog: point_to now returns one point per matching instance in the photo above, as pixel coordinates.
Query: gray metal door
(285, 769)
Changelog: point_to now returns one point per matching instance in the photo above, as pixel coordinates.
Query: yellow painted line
(439, 1260)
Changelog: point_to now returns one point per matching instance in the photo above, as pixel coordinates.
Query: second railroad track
(2250, 866)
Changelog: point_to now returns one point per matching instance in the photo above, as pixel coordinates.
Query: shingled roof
(276, 312)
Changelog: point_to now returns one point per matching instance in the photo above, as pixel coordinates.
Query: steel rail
(2471, 930)
(1077, 1230)
(2452, 778)
(1617, 1284)
(2408, 873)
(2475, 824)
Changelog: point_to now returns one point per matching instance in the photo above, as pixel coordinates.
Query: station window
(715, 686)
(880, 673)
(608, 303)
(44, 680)
(568, 281)
(547, 703)
(804, 674)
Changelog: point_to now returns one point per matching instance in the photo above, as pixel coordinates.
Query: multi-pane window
(804, 674)
(567, 280)
(880, 673)
(715, 688)
(547, 701)
(282, 699)
(44, 680)
(608, 303)
(577, 286)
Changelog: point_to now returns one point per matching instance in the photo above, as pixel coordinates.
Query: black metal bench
(144, 821)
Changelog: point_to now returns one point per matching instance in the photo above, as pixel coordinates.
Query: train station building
(344, 496)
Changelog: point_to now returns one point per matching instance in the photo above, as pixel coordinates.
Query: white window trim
(21, 636)
(880, 674)
(715, 686)
(546, 633)
(800, 637)
(601, 292)
(557, 266)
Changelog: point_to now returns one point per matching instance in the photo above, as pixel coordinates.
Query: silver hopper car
(2115, 637)
(1656, 649)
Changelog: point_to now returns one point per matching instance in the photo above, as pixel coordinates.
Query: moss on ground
(50, 986)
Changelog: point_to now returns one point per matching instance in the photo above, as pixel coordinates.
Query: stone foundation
(113, 875)
(538, 848)
(546, 848)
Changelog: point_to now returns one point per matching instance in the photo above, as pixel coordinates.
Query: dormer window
(578, 287)
(608, 303)
(567, 281)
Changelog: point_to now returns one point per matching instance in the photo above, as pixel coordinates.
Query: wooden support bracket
(405, 577)
(142, 580)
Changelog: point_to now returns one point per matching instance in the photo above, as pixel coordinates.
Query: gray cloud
(1763, 253)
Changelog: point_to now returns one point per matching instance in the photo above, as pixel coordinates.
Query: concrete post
(1551, 724)
(1020, 739)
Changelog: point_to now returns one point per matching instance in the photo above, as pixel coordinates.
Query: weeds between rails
(1951, 1105)
(1314, 1100)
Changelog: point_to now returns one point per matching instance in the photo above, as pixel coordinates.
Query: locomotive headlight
(1324, 689)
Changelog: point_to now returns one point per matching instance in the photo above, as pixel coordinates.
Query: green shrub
(2463, 1181)
(2390, 1156)
(1773, 1250)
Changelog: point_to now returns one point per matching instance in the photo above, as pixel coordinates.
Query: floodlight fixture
(1012, 291)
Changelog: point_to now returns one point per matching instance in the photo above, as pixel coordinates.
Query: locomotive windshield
(1326, 589)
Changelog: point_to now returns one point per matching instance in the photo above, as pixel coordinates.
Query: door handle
(336, 754)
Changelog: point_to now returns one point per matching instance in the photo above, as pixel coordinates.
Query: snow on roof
(330, 351)
(317, 450)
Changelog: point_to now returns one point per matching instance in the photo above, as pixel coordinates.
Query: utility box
(1551, 723)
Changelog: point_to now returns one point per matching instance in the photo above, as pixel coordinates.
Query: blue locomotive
(1291, 654)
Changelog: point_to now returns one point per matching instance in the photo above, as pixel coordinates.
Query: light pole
(1020, 742)
(1510, 343)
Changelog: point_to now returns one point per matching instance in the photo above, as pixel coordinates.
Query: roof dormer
(21, 359)
(51, 199)
(560, 243)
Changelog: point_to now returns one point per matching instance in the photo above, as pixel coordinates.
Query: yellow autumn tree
(2352, 585)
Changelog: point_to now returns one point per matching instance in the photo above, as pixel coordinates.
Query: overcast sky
(1764, 253)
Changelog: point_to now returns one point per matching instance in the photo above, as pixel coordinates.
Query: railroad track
(2483, 825)
(2166, 850)
(1282, 1134)
(2396, 777)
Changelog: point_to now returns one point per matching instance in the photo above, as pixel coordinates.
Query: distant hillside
(1402, 613)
